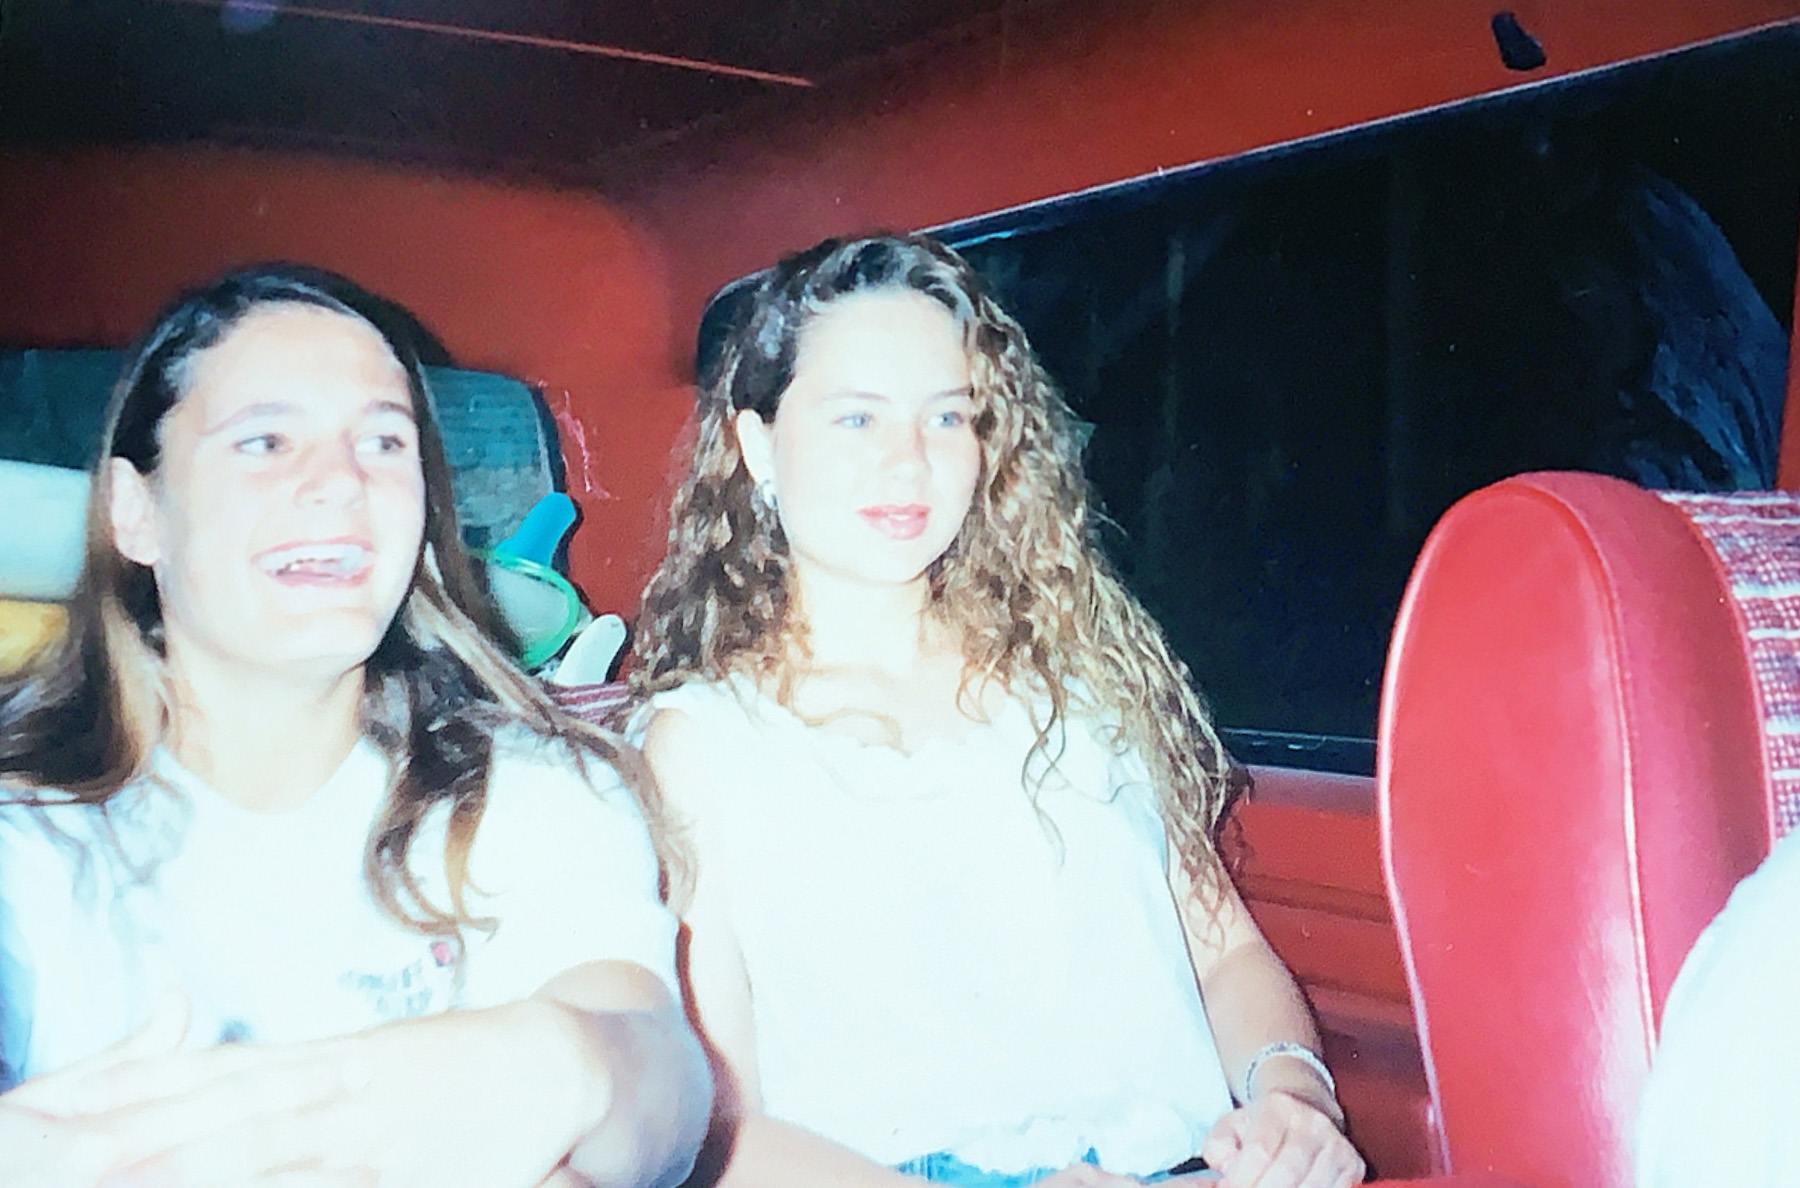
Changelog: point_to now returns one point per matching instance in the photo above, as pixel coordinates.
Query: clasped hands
(1277, 1141)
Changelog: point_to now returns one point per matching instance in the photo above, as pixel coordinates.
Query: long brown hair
(1037, 605)
(78, 725)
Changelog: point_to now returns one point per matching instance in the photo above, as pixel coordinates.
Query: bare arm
(595, 1080)
(643, 1070)
(1250, 996)
(1288, 1130)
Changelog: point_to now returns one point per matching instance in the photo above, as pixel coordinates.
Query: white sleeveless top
(937, 965)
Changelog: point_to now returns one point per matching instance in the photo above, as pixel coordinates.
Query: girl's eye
(386, 443)
(262, 443)
(855, 420)
(953, 418)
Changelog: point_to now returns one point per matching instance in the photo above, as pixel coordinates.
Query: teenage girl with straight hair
(302, 883)
(956, 909)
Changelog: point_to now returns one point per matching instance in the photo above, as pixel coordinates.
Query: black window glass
(1294, 362)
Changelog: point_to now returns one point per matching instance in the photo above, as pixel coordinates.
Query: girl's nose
(333, 474)
(906, 448)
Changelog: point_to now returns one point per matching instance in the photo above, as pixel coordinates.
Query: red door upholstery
(1571, 779)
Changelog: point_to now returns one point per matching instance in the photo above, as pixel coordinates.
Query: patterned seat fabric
(592, 703)
(1756, 537)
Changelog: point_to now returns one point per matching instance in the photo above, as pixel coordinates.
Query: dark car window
(1295, 361)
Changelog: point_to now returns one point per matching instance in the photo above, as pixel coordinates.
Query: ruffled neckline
(939, 765)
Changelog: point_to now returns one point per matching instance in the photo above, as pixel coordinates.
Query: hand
(40, 1150)
(1280, 1141)
(479, 1099)
(41, 1146)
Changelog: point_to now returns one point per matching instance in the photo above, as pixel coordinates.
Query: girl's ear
(756, 442)
(132, 510)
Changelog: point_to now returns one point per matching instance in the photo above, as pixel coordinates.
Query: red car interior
(1573, 764)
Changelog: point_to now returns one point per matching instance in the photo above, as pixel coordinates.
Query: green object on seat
(538, 603)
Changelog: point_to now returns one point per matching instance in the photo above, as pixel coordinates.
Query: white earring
(765, 491)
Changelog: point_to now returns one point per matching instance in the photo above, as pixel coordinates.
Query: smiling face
(284, 521)
(872, 455)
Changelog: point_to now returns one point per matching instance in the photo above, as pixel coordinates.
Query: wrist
(1311, 1095)
(1296, 1071)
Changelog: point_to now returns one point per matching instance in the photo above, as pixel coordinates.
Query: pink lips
(903, 521)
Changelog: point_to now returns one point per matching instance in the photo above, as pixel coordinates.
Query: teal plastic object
(538, 603)
(543, 529)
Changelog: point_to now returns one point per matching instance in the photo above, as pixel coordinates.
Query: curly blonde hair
(1038, 606)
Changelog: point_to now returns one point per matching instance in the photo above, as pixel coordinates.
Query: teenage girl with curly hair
(956, 908)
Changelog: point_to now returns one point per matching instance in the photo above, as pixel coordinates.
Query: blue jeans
(945, 1168)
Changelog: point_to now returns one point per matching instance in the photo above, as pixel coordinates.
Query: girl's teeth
(332, 562)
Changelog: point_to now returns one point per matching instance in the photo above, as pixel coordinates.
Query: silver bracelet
(1299, 1052)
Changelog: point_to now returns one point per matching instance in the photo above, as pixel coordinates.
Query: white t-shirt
(938, 964)
(1724, 1090)
(266, 922)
